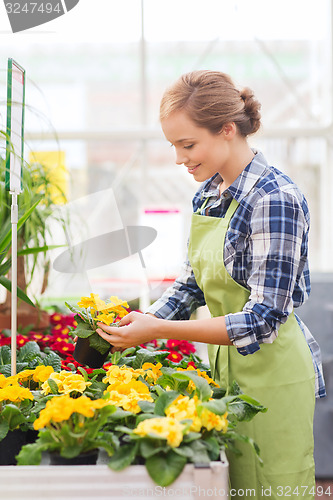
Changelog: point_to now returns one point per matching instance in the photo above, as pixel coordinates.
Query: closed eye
(189, 147)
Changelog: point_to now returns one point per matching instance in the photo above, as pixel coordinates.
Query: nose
(181, 158)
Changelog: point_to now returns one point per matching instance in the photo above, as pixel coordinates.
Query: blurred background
(92, 103)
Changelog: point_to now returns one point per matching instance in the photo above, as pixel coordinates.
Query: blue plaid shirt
(266, 251)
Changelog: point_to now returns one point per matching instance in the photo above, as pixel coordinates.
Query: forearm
(209, 331)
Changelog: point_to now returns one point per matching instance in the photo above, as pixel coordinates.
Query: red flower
(63, 347)
(56, 328)
(56, 318)
(21, 340)
(186, 347)
(175, 356)
(5, 340)
(173, 344)
(191, 363)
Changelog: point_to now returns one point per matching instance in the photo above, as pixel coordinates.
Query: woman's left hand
(134, 329)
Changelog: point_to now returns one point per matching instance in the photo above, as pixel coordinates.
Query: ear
(229, 130)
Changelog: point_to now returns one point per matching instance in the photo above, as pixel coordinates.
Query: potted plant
(190, 420)
(15, 418)
(91, 349)
(71, 430)
(35, 206)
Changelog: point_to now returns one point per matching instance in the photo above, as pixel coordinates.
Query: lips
(191, 170)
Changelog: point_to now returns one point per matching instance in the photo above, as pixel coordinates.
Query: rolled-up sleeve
(277, 237)
(181, 299)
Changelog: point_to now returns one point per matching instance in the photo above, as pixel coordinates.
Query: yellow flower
(133, 385)
(119, 374)
(42, 373)
(15, 393)
(3, 381)
(185, 408)
(106, 318)
(86, 302)
(117, 399)
(152, 372)
(60, 409)
(117, 306)
(25, 375)
(66, 382)
(212, 421)
(163, 427)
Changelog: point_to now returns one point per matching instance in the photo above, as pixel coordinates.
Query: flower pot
(11, 445)
(87, 355)
(88, 458)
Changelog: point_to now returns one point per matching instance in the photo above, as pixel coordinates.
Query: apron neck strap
(229, 213)
(231, 209)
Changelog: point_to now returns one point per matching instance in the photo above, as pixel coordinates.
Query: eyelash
(189, 147)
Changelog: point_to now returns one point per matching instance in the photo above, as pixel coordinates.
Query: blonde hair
(211, 100)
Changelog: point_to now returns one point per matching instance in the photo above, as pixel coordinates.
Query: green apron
(280, 376)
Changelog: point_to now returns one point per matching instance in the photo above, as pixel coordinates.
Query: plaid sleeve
(181, 298)
(277, 237)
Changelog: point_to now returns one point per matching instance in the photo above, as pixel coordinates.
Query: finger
(105, 328)
(112, 339)
(126, 320)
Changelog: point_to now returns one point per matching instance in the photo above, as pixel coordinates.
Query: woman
(247, 260)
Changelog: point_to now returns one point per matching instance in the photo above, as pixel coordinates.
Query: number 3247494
(31, 7)
(299, 491)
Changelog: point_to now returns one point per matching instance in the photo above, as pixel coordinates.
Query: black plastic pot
(87, 355)
(88, 458)
(11, 445)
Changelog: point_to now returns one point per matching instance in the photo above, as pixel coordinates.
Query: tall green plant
(36, 205)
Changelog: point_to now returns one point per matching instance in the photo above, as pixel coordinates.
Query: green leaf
(146, 406)
(81, 313)
(5, 355)
(150, 447)
(164, 469)
(83, 373)
(5, 242)
(4, 428)
(31, 454)
(7, 369)
(123, 457)
(164, 400)
(203, 389)
(28, 351)
(20, 293)
(34, 250)
(217, 406)
(145, 356)
(200, 452)
(52, 359)
(53, 386)
(13, 416)
(185, 451)
(83, 331)
(244, 408)
(99, 343)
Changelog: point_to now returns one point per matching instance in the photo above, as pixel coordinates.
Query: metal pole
(14, 221)
(145, 285)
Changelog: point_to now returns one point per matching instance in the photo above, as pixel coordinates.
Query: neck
(240, 156)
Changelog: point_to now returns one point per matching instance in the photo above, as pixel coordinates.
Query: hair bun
(251, 108)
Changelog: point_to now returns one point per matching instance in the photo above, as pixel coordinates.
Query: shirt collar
(244, 182)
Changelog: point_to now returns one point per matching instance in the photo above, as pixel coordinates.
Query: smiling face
(202, 152)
